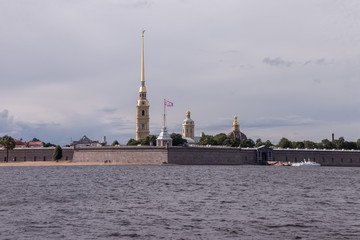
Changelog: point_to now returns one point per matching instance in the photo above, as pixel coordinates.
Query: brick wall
(324, 157)
(35, 154)
(123, 155)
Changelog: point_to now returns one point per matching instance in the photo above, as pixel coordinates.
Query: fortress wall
(35, 154)
(121, 155)
(210, 156)
(182, 155)
(324, 157)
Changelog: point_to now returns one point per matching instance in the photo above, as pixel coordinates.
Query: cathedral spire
(142, 107)
(142, 59)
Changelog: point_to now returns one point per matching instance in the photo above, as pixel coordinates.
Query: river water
(179, 202)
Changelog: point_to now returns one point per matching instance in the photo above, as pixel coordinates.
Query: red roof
(34, 144)
(19, 142)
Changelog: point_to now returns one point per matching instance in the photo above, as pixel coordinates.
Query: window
(332, 160)
(187, 130)
(143, 126)
(142, 113)
(190, 130)
(350, 160)
(35, 158)
(342, 160)
(44, 159)
(323, 159)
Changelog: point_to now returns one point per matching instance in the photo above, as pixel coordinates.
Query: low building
(87, 142)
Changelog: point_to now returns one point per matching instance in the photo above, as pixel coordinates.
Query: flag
(168, 103)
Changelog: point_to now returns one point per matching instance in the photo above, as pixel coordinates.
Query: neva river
(179, 202)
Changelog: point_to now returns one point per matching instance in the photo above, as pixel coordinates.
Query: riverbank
(63, 163)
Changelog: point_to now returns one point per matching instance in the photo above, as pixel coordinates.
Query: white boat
(305, 163)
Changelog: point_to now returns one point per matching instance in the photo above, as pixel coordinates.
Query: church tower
(188, 126)
(142, 107)
(235, 130)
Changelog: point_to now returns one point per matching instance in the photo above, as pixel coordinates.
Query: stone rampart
(350, 158)
(121, 155)
(35, 154)
(210, 156)
(183, 155)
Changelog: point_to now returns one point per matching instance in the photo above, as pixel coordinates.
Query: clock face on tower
(143, 103)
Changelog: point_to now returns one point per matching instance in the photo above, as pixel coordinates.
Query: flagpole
(164, 114)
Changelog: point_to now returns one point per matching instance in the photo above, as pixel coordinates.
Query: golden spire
(142, 59)
(142, 87)
(235, 126)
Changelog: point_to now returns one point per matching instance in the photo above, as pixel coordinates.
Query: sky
(70, 68)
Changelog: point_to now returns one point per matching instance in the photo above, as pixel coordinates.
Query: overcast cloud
(286, 68)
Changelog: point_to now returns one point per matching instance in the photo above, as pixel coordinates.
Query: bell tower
(188, 126)
(142, 107)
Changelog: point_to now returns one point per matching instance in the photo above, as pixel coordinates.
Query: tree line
(222, 139)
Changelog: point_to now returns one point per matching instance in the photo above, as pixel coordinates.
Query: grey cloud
(320, 61)
(136, 4)
(292, 120)
(108, 110)
(277, 62)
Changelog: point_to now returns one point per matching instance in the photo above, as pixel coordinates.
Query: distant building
(19, 143)
(87, 142)
(235, 131)
(31, 144)
(35, 144)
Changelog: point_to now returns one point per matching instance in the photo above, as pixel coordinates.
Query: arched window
(142, 113)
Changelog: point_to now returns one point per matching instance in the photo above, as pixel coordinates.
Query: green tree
(48, 144)
(299, 145)
(350, 145)
(309, 144)
(325, 143)
(258, 142)
(220, 139)
(339, 143)
(284, 143)
(8, 143)
(207, 140)
(358, 144)
(132, 142)
(57, 153)
(35, 140)
(149, 140)
(246, 143)
(268, 143)
(177, 139)
(115, 143)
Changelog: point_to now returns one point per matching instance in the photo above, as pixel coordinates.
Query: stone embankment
(151, 155)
